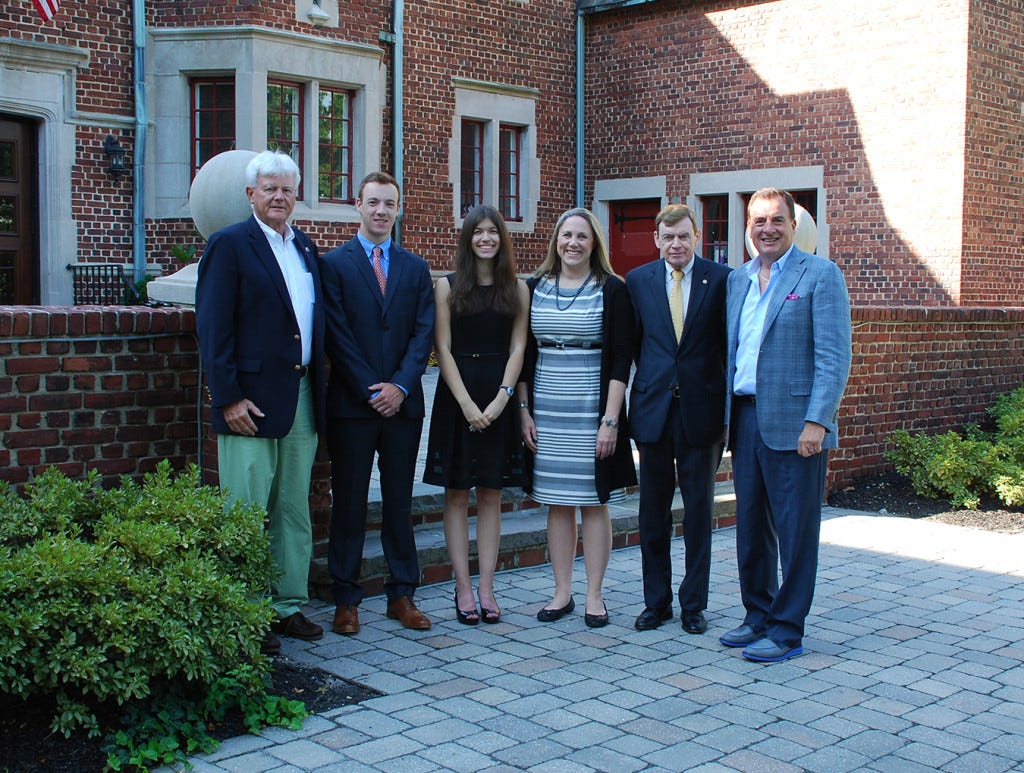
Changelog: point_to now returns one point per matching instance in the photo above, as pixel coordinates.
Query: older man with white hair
(260, 318)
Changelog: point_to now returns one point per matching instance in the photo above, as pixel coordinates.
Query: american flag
(46, 8)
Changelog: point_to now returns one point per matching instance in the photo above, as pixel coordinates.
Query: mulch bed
(28, 746)
(893, 494)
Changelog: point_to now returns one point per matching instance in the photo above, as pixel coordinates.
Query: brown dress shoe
(346, 619)
(404, 610)
(297, 626)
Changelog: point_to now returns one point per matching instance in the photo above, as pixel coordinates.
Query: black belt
(562, 345)
(302, 370)
(744, 400)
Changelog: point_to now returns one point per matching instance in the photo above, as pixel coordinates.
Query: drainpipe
(399, 112)
(580, 155)
(141, 121)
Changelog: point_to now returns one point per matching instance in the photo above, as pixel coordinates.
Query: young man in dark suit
(380, 322)
(261, 334)
(677, 406)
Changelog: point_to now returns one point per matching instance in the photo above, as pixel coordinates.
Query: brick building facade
(897, 123)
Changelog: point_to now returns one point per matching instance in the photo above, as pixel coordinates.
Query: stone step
(523, 536)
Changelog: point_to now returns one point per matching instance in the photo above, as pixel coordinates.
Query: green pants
(275, 473)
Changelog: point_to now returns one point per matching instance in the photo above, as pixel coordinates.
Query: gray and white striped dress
(566, 393)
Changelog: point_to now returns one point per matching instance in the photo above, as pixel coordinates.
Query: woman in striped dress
(572, 404)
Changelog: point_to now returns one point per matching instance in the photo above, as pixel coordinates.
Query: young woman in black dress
(479, 337)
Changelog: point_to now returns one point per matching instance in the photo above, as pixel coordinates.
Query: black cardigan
(618, 470)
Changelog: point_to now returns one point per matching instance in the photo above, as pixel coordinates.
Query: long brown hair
(600, 264)
(502, 296)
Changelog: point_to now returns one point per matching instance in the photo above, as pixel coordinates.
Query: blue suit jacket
(248, 334)
(373, 340)
(696, 363)
(805, 353)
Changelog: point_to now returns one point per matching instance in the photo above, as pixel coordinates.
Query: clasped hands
(481, 420)
(387, 398)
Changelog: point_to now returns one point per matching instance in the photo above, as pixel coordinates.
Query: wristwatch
(508, 390)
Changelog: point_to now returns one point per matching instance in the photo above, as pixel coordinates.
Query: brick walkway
(914, 661)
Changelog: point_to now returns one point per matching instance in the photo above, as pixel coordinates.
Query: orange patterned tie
(378, 268)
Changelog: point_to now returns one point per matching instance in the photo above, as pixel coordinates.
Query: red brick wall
(527, 45)
(992, 193)
(676, 88)
(112, 389)
(922, 370)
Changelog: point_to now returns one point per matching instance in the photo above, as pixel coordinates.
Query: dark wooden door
(19, 275)
(631, 233)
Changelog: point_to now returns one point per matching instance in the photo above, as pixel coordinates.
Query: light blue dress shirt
(752, 316)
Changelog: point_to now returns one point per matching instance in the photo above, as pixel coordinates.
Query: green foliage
(146, 597)
(172, 727)
(184, 253)
(966, 467)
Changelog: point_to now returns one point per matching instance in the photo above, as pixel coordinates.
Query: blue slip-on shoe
(766, 651)
(740, 637)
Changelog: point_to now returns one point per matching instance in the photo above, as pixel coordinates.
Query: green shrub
(967, 467)
(132, 600)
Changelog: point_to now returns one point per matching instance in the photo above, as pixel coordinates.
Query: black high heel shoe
(466, 618)
(488, 615)
(551, 615)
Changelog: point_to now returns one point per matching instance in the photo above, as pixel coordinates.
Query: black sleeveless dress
(456, 457)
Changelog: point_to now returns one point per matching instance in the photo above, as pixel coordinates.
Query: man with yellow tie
(677, 411)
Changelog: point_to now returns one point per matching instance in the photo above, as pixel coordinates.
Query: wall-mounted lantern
(116, 155)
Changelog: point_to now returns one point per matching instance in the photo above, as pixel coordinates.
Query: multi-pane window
(213, 118)
(509, 155)
(284, 120)
(335, 144)
(715, 237)
(472, 167)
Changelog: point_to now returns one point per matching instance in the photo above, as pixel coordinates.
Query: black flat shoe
(551, 615)
(596, 621)
(471, 617)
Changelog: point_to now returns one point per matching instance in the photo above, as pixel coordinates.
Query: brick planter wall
(113, 389)
(116, 389)
(924, 370)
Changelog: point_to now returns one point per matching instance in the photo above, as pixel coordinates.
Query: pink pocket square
(792, 297)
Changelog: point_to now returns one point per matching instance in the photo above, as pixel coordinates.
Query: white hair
(271, 163)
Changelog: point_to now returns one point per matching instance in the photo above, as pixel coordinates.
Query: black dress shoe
(271, 645)
(693, 622)
(297, 626)
(551, 615)
(650, 619)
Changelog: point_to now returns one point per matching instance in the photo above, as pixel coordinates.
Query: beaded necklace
(575, 295)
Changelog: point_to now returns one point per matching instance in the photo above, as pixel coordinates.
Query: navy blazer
(248, 335)
(370, 339)
(696, 363)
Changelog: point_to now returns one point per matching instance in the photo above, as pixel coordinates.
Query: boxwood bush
(122, 602)
(967, 466)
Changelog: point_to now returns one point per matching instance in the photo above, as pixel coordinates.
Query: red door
(631, 233)
(18, 275)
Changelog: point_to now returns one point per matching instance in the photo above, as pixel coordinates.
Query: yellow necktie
(675, 303)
